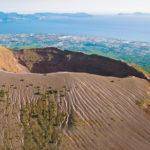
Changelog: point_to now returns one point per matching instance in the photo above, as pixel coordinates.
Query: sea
(125, 27)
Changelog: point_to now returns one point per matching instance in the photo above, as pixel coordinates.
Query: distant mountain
(135, 14)
(7, 17)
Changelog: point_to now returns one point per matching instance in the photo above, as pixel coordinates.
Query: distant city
(132, 52)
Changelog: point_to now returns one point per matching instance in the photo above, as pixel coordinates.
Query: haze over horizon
(74, 6)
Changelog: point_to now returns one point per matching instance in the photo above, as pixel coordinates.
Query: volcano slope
(9, 63)
(73, 111)
(99, 112)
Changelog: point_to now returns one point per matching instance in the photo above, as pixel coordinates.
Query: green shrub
(2, 93)
(41, 121)
(145, 105)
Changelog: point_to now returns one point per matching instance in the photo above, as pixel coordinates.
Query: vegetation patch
(74, 120)
(2, 93)
(43, 122)
(140, 69)
(144, 104)
(71, 120)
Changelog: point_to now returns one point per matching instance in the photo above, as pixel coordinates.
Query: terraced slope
(8, 61)
(100, 113)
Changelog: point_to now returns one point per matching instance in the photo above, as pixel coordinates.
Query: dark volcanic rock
(50, 59)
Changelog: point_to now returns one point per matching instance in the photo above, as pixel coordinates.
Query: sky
(73, 6)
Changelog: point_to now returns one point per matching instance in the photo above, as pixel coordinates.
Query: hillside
(50, 59)
(8, 61)
(80, 101)
(94, 112)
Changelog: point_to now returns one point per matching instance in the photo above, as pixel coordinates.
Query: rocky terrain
(73, 110)
(50, 59)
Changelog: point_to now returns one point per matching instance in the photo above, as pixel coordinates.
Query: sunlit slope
(8, 61)
(102, 113)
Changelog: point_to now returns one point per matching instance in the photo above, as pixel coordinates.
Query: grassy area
(42, 122)
(140, 69)
(2, 93)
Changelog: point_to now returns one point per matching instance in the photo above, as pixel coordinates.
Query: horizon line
(73, 12)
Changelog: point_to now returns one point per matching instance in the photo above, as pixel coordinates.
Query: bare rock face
(8, 62)
(47, 60)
